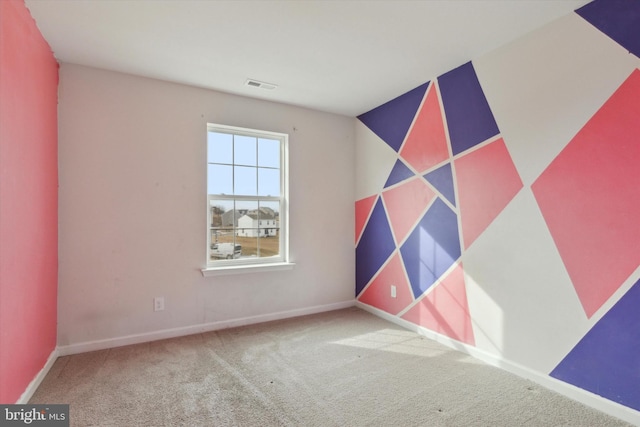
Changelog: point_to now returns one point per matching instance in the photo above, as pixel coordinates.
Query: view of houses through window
(246, 195)
(249, 231)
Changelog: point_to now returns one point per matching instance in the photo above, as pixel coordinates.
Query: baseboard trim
(35, 382)
(585, 397)
(83, 347)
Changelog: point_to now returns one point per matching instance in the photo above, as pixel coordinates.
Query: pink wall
(28, 200)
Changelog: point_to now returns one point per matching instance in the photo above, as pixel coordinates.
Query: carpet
(340, 368)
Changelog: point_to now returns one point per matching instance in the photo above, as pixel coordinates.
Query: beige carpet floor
(341, 368)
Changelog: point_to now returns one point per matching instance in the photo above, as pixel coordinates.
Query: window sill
(246, 268)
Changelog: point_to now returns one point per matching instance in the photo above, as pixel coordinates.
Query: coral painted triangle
(378, 293)
(426, 145)
(363, 209)
(445, 309)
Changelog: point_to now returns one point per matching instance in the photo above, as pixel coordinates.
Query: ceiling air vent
(261, 85)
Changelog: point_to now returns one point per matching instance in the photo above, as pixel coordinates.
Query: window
(246, 197)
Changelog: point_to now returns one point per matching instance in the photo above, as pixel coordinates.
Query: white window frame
(241, 265)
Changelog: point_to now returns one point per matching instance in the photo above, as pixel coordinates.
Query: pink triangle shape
(363, 210)
(426, 144)
(378, 294)
(445, 309)
(405, 204)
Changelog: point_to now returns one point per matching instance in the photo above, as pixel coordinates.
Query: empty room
(320, 213)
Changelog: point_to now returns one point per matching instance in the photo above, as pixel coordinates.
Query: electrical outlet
(393, 291)
(158, 304)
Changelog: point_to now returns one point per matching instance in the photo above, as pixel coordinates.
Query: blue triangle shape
(400, 172)
(374, 247)
(442, 180)
(391, 121)
(618, 19)
(605, 361)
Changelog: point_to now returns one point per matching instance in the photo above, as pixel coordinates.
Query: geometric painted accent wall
(529, 270)
(436, 193)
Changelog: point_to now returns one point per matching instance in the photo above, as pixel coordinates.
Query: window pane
(247, 220)
(215, 215)
(221, 235)
(268, 182)
(245, 183)
(219, 179)
(221, 213)
(269, 232)
(269, 210)
(245, 231)
(269, 245)
(269, 153)
(223, 245)
(247, 239)
(219, 148)
(245, 150)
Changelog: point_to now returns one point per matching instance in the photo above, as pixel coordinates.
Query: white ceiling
(345, 57)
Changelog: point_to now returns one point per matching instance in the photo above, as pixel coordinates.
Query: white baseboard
(87, 346)
(35, 382)
(585, 397)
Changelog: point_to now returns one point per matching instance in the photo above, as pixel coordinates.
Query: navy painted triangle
(618, 19)
(392, 120)
(400, 172)
(605, 361)
(442, 180)
(374, 247)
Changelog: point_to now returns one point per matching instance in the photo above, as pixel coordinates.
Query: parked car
(225, 250)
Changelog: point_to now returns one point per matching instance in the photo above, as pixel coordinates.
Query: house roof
(261, 216)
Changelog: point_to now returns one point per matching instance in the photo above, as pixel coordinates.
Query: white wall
(132, 207)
